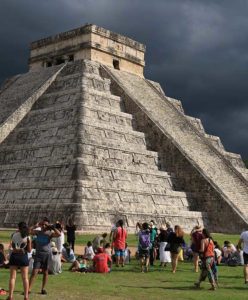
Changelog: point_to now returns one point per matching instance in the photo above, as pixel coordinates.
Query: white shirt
(244, 238)
(89, 253)
(59, 241)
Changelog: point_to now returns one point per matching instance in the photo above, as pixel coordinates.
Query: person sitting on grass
(80, 265)
(102, 263)
(88, 251)
(3, 258)
(54, 262)
(67, 254)
(217, 253)
(144, 247)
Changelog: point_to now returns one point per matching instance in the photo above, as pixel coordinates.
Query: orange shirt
(120, 238)
(101, 262)
(209, 248)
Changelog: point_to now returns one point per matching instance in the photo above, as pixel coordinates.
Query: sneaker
(43, 292)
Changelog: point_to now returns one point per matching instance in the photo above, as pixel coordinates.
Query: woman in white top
(20, 246)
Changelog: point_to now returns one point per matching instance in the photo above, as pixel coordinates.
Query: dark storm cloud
(197, 49)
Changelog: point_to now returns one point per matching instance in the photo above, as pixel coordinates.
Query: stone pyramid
(84, 135)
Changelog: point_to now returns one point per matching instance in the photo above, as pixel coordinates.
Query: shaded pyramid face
(96, 144)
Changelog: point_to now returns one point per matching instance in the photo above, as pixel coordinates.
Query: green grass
(129, 283)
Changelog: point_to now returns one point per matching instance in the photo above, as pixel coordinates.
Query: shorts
(41, 260)
(119, 252)
(144, 253)
(245, 256)
(19, 260)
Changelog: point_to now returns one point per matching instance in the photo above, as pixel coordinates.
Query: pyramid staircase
(216, 179)
(75, 152)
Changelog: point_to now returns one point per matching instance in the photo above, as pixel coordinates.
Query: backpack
(144, 240)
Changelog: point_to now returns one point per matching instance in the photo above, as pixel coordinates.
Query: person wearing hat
(54, 261)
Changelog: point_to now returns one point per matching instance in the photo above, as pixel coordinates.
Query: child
(89, 252)
(127, 255)
(108, 250)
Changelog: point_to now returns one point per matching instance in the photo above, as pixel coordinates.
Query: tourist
(144, 247)
(127, 254)
(119, 238)
(228, 250)
(3, 259)
(67, 254)
(60, 240)
(102, 263)
(244, 240)
(80, 265)
(153, 235)
(217, 253)
(208, 266)
(71, 233)
(88, 251)
(44, 232)
(164, 256)
(99, 241)
(175, 242)
(54, 262)
(108, 250)
(196, 237)
(20, 246)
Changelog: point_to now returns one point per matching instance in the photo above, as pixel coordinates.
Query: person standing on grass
(20, 246)
(153, 235)
(164, 256)
(144, 247)
(196, 237)
(175, 241)
(244, 240)
(119, 238)
(208, 268)
(44, 232)
(71, 233)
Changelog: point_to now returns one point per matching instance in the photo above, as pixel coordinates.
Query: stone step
(215, 170)
(176, 103)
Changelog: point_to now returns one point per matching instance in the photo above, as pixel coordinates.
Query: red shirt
(120, 238)
(101, 262)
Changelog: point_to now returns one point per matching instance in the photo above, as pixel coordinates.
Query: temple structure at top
(89, 42)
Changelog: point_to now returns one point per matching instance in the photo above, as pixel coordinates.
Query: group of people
(42, 249)
(44, 245)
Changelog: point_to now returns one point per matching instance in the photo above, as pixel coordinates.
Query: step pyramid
(84, 135)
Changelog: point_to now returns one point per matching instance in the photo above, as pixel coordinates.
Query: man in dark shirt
(44, 232)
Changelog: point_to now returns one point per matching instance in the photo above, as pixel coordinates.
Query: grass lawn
(129, 283)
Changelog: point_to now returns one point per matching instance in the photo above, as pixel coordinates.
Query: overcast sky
(196, 49)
